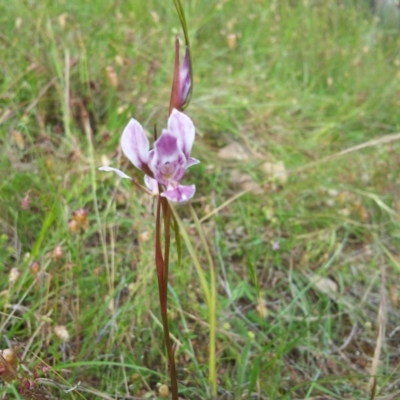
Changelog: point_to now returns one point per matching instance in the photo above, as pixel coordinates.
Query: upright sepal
(182, 81)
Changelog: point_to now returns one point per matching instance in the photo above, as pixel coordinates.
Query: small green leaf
(177, 240)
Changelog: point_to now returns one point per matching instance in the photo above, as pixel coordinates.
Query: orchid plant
(164, 167)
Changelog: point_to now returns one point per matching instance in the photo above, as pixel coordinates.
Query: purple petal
(192, 161)
(181, 126)
(180, 194)
(151, 184)
(167, 145)
(167, 161)
(151, 160)
(135, 144)
(117, 171)
(276, 245)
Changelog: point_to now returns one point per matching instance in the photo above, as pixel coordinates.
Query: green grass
(305, 81)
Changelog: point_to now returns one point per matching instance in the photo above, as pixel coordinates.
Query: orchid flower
(166, 164)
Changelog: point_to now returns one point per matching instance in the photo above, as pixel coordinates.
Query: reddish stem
(167, 238)
(162, 277)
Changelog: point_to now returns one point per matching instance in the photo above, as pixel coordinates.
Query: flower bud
(182, 82)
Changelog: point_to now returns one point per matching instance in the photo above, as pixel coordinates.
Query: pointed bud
(185, 79)
(182, 82)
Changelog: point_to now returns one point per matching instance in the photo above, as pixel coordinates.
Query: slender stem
(212, 309)
(162, 277)
(158, 254)
(167, 239)
(171, 354)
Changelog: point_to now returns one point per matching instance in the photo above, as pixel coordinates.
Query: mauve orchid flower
(166, 164)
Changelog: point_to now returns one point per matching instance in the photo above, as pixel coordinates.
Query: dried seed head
(18, 23)
(231, 40)
(61, 332)
(10, 357)
(81, 218)
(18, 139)
(8, 364)
(73, 226)
(112, 76)
(261, 308)
(14, 275)
(135, 376)
(163, 391)
(155, 16)
(62, 20)
(119, 60)
(144, 236)
(57, 253)
(25, 202)
(69, 266)
(35, 267)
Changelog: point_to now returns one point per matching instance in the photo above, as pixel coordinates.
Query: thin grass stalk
(209, 290)
(212, 310)
(193, 255)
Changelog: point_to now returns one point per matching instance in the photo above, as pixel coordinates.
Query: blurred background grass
(302, 256)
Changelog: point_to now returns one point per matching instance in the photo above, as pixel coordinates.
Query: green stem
(209, 290)
(212, 310)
